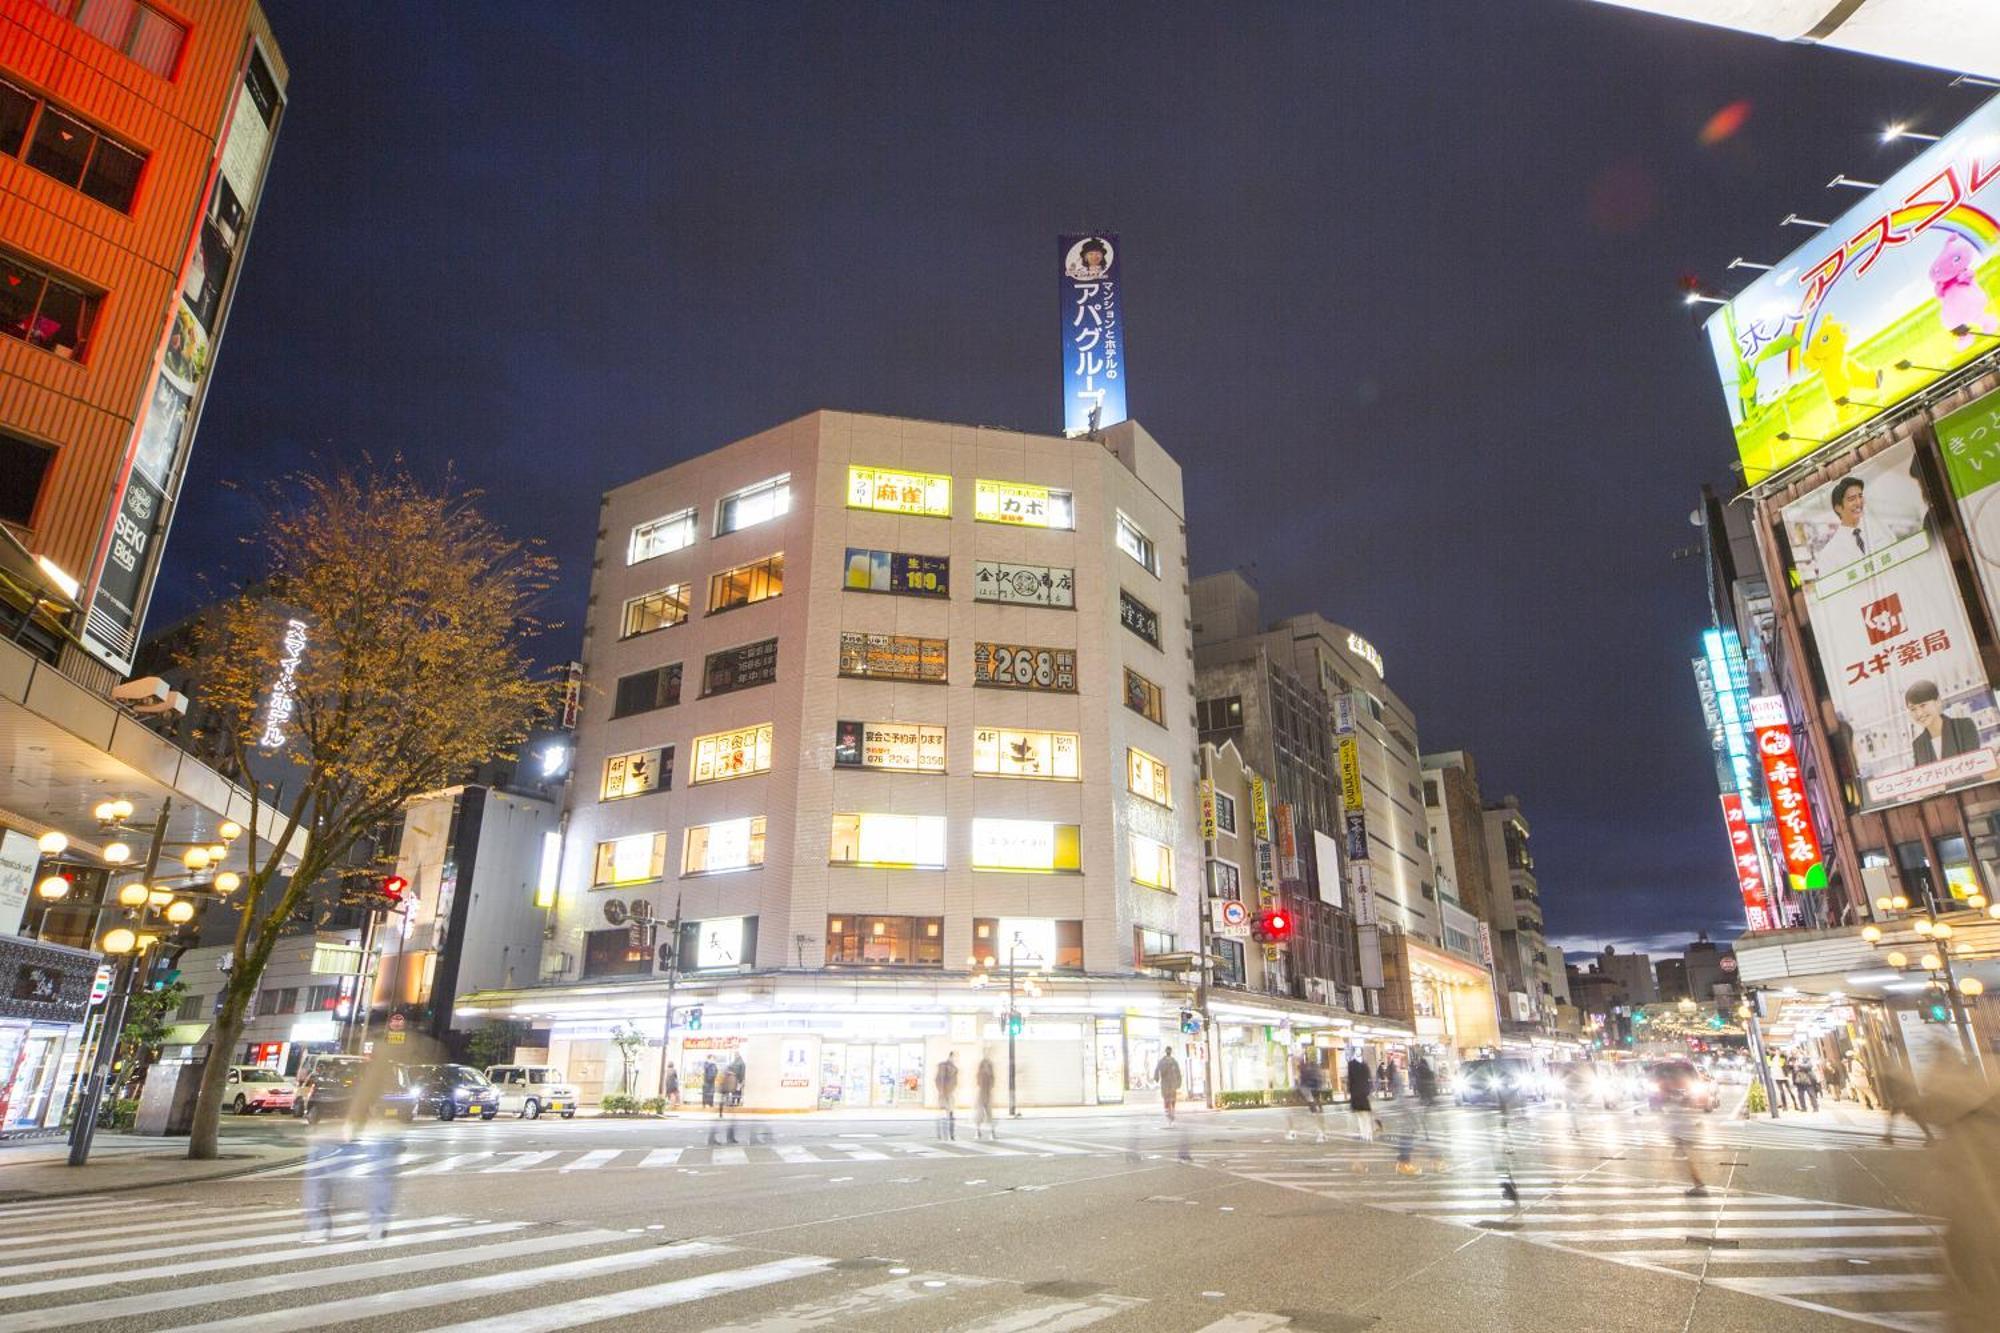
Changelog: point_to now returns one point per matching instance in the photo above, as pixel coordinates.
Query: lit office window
(660, 536)
(746, 584)
(1146, 776)
(900, 841)
(632, 860)
(656, 610)
(1152, 863)
(732, 844)
(1133, 541)
(753, 505)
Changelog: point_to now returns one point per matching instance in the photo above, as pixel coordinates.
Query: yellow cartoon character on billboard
(1826, 353)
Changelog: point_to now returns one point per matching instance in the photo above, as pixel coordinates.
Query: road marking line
(449, 1293)
(1536, 1216)
(164, 1271)
(728, 1157)
(1056, 1318)
(918, 1149)
(1720, 1233)
(594, 1159)
(97, 1238)
(1793, 1254)
(859, 1154)
(661, 1157)
(521, 1161)
(1051, 1146)
(1820, 1285)
(796, 1155)
(622, 1304)
(266, 1233)
(991, 1149)
(443, 1164)
(98, 1211)
(850, 1308)
(216, 1293)
(40, 1205)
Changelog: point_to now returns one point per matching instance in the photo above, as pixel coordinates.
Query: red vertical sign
(1749, 870)
(1803, 863)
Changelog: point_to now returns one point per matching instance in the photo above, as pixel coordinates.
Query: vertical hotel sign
(1093, 324)
(1804, 866)
(1749, 865)
(129, 550)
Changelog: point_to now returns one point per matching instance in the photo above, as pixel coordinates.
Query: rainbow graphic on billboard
(1900, 291)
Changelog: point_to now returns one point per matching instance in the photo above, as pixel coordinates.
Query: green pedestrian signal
(1013, 1025)
(694, 1019)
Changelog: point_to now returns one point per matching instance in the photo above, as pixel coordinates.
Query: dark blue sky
(1401, 295)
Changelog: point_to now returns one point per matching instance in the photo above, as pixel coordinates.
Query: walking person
(1781, 1079)
(947, 1091)
(1358, 1100)
(1681, 1134)
(1167, 1073)
(1858, 1082)
(983, 1123)
(1424, 1082)
(1311, 1081)
(725, 1091)
(1383, 1086)
(740, 1075)
(1899, 1098)
(673, 1088)
(708, 1082)
(1805, 1082)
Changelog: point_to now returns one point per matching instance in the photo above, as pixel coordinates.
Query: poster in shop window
(1969, 440)
(1022, 667)
(1916, 711)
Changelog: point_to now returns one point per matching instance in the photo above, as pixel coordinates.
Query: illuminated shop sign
(1006, 752)
(1019, 667)
(891, 492)
(1026, 844)
(1023, 506)
(915, 747)
(893, 657)
(897, 572)
(732, 754)
(1032, 585)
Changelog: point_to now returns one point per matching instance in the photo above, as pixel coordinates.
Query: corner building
(868, 699)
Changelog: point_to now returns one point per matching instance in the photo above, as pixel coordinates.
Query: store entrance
(872, 1073)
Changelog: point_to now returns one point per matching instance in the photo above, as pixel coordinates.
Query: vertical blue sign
(1093, 334)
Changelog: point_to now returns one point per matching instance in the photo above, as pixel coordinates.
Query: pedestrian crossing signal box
(1190, 1022)
(1013, 1025)
(1937, 1011)
(694, 1019)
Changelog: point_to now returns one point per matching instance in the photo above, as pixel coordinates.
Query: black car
(448, 1092)
(330, 1092)
(1679, 1083)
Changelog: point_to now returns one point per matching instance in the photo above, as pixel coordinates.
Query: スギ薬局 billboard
(1893, 296)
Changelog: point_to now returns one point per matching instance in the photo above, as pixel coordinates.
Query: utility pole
(673, 979)
(123, 980)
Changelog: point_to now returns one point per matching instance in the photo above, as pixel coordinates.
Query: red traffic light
(393, 888)
(1273, 927)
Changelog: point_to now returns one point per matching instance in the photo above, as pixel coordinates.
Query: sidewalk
(40, 1169)
(1833, 1114)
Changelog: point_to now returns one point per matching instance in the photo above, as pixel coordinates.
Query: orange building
(134, 139)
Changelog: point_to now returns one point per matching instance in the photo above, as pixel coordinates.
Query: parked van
(529, 1090)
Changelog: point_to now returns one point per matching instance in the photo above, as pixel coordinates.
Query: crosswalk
(253, 1271)
(357, 1162)
(1592, 1131)
(1873, 1265)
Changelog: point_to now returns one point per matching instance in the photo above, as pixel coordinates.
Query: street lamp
(135, 894)
(119, 940)
(229, 830)
(53, 843)
(52, 887)
(1936, 960)
(1015, 985)
(117, 853)
(196, 859)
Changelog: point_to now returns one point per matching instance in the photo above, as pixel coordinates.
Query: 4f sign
(279, 711)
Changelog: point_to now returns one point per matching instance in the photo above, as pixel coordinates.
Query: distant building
(1711, 969)
(1670, 978)
(1633, 974)
(1522, 947)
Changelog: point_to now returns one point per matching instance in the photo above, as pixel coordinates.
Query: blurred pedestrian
(1899, 1098)
(673, 1088)
(982, 1105)
(1311, 1081)
(740, 1074)
(1858, 1082)
(947, 1091)
(1781, 1079)
(1424, 1082)
(1805, 1083)
(1681, 1133)
(355, 1141)
(1382, 1086)
(708, 1074)
(1358, 1101)
(1167, 1073)
(1965, 1191)
(725, 1090)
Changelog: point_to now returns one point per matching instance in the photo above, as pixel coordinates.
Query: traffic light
(694, 1019)
(1937, 1011)
(1273, 927)
(1190, 1022)
(393, 889)
(1014, 1025)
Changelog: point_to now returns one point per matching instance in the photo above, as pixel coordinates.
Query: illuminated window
(1035, 942)
(733, 844)
(731, 754)
(898, 572)
(1225, 813)
(893, 657)
(888, 840)
(894, 492)
(909, 747)
(1023, 506)
(632, 860)
(644, 691)
(44, 311)
(1146, 776)
(1147, 943)
(616, 953)
(656, 610)
(740, 668)
(1034, 585)
(144, 33)
(1152, 863)
(745, 584)
(1143, 697)
(1026, 844)
(1133, 541)
(753, 505)
(661, 536)
(637, 773)
(1003, 752)
(912, 941)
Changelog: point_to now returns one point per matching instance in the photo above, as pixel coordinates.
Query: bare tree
(382, 654)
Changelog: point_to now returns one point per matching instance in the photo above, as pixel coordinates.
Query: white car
(258, 1088)
(529, 1090)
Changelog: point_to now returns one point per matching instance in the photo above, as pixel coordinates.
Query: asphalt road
(1220, 1224)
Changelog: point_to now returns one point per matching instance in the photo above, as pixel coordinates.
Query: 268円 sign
(1018, 667)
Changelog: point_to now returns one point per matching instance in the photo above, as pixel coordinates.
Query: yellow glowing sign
(1023, 506)
(899, 492)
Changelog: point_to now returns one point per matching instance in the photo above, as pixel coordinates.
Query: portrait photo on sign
(1916, 710)
(1089, 259)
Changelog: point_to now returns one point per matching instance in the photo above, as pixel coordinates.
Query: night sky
(1402, 295)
